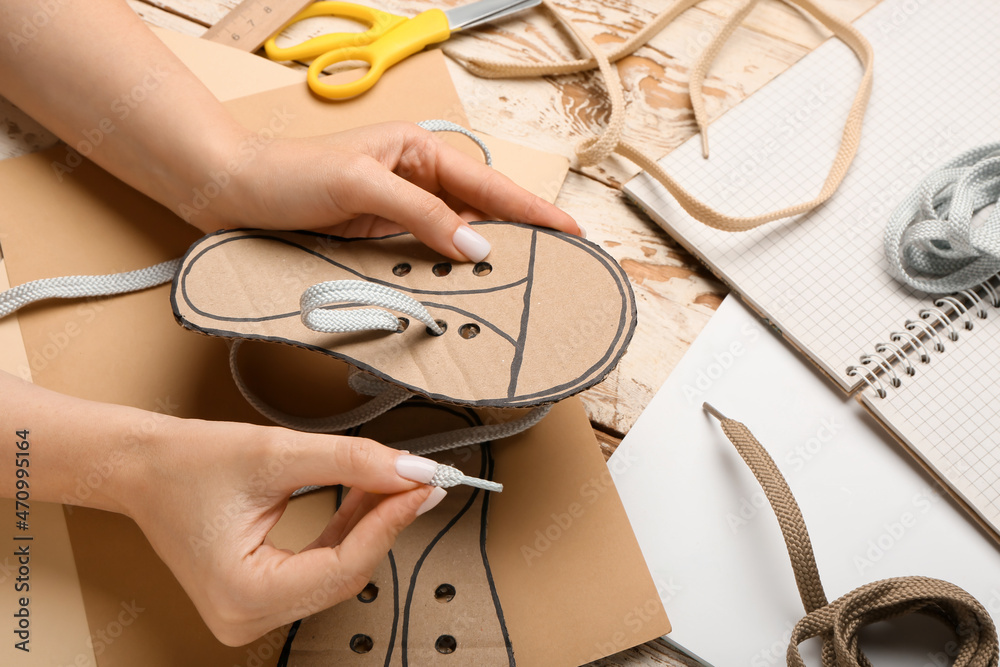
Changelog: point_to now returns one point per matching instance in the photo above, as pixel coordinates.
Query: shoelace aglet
(710, 409)
(446, 477)
(704, 142)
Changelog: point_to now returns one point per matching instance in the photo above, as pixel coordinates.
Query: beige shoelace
(839, 623)
(595, 149)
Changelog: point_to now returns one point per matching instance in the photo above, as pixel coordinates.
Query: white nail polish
(583, 232)
(470, 243)
(432, 501)
(415, 468)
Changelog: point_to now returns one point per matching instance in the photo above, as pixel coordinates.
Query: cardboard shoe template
(544, 317)
(434, 595)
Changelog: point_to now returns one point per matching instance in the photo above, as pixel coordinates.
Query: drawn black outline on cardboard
(591, 376)
(486, 472)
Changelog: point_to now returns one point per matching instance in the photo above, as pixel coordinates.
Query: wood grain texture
(171, 20)
(675, 297)
(20, 133)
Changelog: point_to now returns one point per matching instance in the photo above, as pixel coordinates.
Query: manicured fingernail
(583, 232)
(471, 244)
(415, 468)
(437, 495)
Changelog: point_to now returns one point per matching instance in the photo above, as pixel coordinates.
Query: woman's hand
(368, 181)
(206, 494)
(207, 511)
(374, 181)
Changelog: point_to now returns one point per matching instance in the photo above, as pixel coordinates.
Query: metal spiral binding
(910, 325)
(919, 336)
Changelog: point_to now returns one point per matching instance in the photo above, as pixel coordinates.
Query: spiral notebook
(821, 279)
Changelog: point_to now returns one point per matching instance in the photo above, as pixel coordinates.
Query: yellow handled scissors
(388, 40)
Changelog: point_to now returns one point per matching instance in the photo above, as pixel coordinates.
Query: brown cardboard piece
(56, 631)
(433, 599)
(128, 350)
(510, 323)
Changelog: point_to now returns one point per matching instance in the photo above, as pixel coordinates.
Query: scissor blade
(468, 16)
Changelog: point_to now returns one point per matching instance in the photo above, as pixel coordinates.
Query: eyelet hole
(446, 644)
(482, 269)
(442, 269)
(362, 643)
(401, 269)
(368, 593)
(444, 593)
(403, 324)
(440, 323)
(468, 331)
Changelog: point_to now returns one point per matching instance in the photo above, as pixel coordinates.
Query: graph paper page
(947, 412)
(822, 279)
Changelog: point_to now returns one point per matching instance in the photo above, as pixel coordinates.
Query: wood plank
(205, 13)
(154, 15)
(675, 298)
(20, 133)
(655, 653)
(558, 112)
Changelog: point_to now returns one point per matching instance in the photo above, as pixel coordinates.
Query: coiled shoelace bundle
(931, 240)
(839, 623)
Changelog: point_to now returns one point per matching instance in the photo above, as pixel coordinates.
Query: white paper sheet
(711, 540)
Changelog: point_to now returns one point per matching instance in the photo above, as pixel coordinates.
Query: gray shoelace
(316, 315)
(932, 241)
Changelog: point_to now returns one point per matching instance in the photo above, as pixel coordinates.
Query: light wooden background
(675, 294)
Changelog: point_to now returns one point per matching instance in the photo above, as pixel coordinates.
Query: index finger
(491, 192)
(308, 459)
